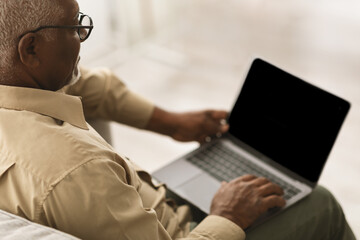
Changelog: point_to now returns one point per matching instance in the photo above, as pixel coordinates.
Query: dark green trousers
(318, 216)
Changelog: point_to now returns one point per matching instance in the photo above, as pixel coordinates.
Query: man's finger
(219, 115)
(223, 128)
(270, 189)
(260, 181)
(273, 201)
(245, 178)
(205, 139)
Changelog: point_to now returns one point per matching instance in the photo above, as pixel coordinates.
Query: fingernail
(223, 122)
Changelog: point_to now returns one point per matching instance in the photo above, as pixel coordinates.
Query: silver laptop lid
(287, 119)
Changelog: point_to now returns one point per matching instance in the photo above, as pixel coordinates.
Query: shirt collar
(53, 104)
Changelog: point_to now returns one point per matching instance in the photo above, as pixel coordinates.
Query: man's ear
(28, 50)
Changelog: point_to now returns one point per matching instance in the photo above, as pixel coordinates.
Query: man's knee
(318, 216)
(324, 203)
(331, 214)
(323, 200)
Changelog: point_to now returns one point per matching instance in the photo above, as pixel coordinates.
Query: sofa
(15, 228)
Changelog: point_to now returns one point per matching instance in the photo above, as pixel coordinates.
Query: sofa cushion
(13, 227)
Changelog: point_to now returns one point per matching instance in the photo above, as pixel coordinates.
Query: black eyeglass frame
(79, 27)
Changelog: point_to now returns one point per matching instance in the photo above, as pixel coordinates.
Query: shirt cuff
(216, 227)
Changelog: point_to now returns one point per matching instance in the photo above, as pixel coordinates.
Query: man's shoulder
(49, 148)
(38, 152)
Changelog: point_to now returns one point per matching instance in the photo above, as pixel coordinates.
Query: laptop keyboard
(225, 165)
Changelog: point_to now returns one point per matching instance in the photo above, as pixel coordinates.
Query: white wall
(123, 23)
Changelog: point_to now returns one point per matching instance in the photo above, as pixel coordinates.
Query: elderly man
(57, 171)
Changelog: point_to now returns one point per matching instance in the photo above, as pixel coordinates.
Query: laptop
(281, 128)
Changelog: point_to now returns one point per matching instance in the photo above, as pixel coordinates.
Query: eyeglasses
(83, 29)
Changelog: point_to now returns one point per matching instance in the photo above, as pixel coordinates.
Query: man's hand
(244, 199)
(200, 126)
(189, 126)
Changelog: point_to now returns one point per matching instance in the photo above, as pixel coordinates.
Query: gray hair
(18, 17)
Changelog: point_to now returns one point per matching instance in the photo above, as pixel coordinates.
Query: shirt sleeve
(95, 201)
(216, 227)
(105, 96)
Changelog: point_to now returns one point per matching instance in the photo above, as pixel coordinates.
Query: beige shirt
(58, 171)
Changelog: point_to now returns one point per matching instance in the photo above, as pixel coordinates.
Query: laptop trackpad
(199, 191)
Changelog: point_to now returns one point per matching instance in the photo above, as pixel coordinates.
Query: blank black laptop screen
(285, 118)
